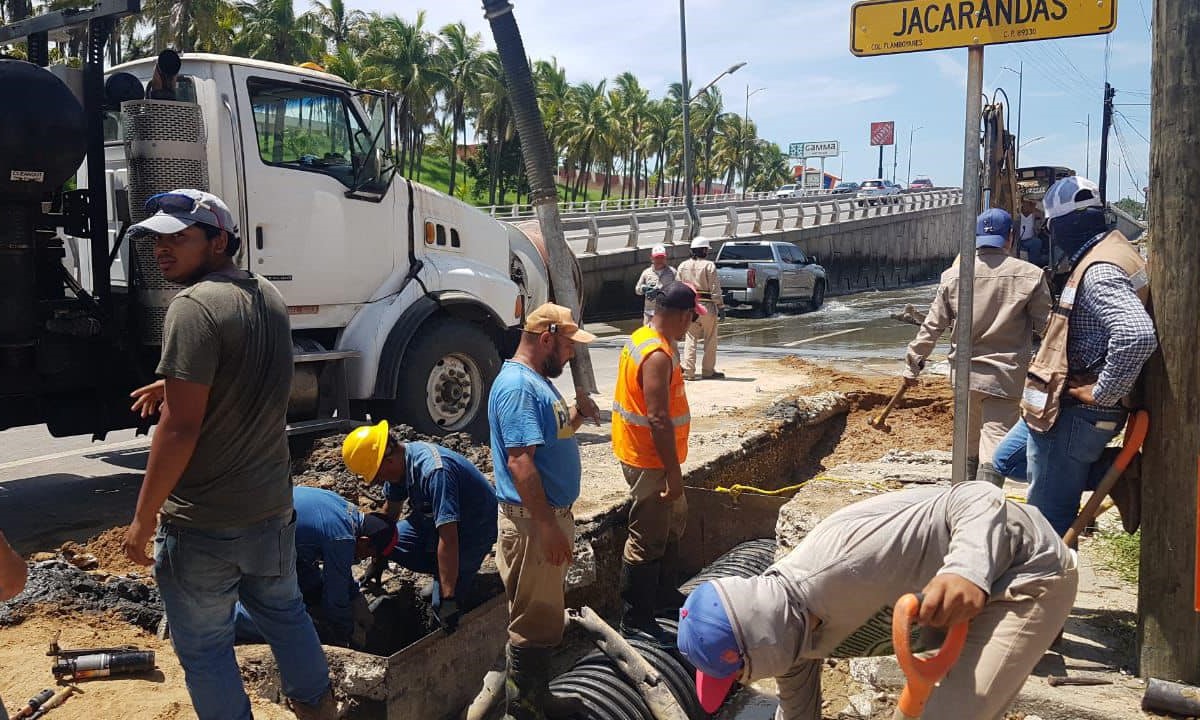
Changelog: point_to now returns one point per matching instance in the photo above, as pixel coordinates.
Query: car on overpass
(762, 274)
(787, 191)
(845, 187)
(871, 192)
(920, 183)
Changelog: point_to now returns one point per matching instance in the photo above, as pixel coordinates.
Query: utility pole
(745, 135)
(910, 141)
(689, 199)
(895, 162)
(1088, 158)
(1106, 123)
(1168, 621)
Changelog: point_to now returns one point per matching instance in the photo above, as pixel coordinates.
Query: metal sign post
(965, 313)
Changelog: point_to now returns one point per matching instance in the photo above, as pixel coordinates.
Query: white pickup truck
(763, 274)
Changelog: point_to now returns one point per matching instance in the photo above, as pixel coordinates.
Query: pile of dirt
(922, 420)
(55, 587)
(323, 467)
(109, 550)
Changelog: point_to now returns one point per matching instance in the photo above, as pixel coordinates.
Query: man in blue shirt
(451, 526)
(332, 534)
(537, 468)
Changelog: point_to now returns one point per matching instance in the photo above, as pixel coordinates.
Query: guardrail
(775, 216)
(587, 207)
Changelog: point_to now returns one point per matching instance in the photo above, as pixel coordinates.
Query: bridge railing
(641, 229)
(587, 207)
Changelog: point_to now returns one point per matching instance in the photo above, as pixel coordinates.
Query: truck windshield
(746, 252)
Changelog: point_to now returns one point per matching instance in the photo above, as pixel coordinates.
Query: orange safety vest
(632, 441)
(1046, 381)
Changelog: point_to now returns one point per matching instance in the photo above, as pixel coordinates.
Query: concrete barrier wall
(880, 252)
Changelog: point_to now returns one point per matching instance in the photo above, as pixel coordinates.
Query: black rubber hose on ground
(609, 696)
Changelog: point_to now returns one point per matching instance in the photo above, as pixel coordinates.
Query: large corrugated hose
(606, 692)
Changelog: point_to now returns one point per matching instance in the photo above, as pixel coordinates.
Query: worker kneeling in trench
(451, 526)
(973, 554)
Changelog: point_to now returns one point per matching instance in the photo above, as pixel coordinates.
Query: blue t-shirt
(525, 410)
(444, 487)
(326, 527)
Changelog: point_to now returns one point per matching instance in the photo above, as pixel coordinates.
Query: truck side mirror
(814, 260)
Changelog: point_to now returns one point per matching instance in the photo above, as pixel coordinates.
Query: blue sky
(816, 90)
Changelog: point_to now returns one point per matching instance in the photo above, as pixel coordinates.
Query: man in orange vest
(650, 422)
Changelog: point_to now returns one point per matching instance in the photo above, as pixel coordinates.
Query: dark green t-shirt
(234, 336)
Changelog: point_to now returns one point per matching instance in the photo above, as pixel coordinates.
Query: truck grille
(164, 150)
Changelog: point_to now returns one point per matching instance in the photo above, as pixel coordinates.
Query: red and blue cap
(707, 639)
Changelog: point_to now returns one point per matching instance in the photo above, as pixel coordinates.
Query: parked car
(786, 191)
(762, 274)
(845, 187)
(921, 183)
(871, 192)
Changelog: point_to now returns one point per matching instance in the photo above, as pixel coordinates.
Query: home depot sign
(883, 133)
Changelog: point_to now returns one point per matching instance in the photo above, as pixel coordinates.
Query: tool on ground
(35, 702)
(1135, 435)
(58, 699)
(922, 673)
(1060, 680)
(1171, 697)
(879, 422)
(649, 683)
(105, 664)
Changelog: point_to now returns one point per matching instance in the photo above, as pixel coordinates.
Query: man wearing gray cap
(1012, 302)
(218, 467)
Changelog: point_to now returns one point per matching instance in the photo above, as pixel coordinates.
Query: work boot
(639, 589)
(1126, 494)
(527, 687)
(988, 473)
(715, 375)
(327, 709)
(669, 597)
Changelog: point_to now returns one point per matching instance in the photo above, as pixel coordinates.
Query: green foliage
(1119, 552)
(1133, 207)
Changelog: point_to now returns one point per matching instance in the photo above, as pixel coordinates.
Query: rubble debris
(69, 590)
(909, 315)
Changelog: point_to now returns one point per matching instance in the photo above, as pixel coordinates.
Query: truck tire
(445, 377)
(818, 296)
(770, 301)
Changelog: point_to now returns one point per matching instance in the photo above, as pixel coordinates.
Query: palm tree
(338, 27)
(554, 98)
(629, 102)
(495, 117)
(460, 58)
(660, 116)
(706, 117)
(272, 31)
(587, 123)
(734, 145)
(183, 24)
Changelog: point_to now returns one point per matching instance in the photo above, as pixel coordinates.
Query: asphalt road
(55, 489)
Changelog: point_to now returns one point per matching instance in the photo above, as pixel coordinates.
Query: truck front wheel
(445, 378)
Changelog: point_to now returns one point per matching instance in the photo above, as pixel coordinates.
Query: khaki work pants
(1004, 644)
(534, 587)
(653, 523)
(989, 419)
(704, 329)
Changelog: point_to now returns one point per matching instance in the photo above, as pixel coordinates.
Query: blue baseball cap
(992, 228)
(178, 210)
(706, 638)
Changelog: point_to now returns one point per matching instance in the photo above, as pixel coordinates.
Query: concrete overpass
(904, 239)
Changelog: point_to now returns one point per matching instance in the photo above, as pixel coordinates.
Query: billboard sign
(825, 148)
(883, 133)
(887, 27)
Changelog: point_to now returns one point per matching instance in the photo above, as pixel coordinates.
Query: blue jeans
(1010, 457)
(417, 551)
(201, 575)
(1060, 461)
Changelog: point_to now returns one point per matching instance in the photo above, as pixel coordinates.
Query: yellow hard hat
(364, 448)
(312, 66)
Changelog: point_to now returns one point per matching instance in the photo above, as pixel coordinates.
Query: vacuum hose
(605, 691)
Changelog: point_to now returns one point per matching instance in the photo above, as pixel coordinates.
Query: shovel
(1135, 435)
(879, 422)
(923, 674)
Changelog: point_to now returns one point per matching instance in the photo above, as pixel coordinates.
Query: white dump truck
(402, 300)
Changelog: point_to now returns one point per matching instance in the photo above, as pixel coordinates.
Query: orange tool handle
(1135, 435)
(922, 673)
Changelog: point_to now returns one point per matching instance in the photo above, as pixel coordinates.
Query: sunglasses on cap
(179, 204)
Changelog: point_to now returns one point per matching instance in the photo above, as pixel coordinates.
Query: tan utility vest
(1046, 381)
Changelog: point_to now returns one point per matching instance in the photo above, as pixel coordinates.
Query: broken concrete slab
(902, 466)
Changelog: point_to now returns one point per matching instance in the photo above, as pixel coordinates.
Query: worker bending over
(451, 526)
(1011, 303)
(701, 273)
(973, 554)
(651, 422)
(332, 534)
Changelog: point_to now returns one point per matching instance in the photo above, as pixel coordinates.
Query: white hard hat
(658, 251)
(700, 242)
(1070, 194)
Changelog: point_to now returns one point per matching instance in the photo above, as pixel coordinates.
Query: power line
(1142, 5)
(1131, 126)
(1125, 161)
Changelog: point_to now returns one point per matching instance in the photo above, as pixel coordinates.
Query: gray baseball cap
(180, 209)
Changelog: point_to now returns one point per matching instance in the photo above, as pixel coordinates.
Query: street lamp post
(910, 140)
(1031, 141)
(1088, 157)
(745, 137)
(1020, 90)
